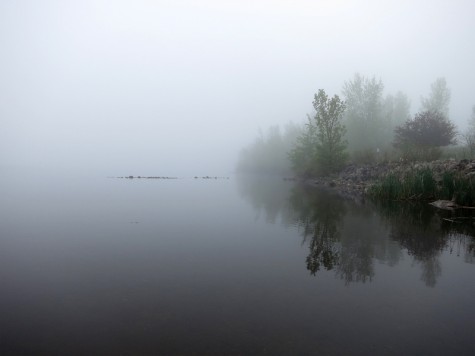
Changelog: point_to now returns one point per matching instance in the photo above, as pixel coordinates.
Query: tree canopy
(439, 98)
(268, 153)
(322, 146)
(363, 117)
(469, 136)
(428, 130)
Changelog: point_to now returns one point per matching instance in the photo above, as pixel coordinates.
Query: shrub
(422, 137)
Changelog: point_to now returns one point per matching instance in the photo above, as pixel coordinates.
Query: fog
(179, 87)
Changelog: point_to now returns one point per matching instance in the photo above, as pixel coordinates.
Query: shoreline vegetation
(448, 184)
(394, 155)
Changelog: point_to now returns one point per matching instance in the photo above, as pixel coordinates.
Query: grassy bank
(424, 184)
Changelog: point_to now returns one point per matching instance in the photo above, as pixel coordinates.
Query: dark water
(239, 266)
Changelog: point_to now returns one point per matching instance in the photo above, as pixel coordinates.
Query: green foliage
(422, 185)
(414, 185)
(364, 113)
(458, 187)
(303, 154)
(412, 153)
(331, 146)
(422, 137)
(321, 148)
(268, 153)
(370, 118)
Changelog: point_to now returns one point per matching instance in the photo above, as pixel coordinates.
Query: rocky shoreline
(356, 179)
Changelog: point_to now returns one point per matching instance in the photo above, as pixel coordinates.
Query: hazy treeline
(363, 126)
(371, 117)
(268, 154)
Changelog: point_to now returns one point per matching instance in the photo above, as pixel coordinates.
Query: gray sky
(178, 87)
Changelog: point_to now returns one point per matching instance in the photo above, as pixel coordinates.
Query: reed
(421, 184)
(459, 188)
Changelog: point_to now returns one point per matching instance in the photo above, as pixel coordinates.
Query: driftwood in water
(449, 205)
(445, 204)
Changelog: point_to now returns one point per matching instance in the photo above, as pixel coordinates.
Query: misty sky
(178, 87)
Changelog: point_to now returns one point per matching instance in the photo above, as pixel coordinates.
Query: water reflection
(319, 218)
(349, 236)
(267, 195)
(425, 233)
(337, 235)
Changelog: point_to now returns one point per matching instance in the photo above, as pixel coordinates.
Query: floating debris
(148, 177)
(444, 204)
(167, 177)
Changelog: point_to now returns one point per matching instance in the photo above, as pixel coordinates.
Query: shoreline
(355, 180)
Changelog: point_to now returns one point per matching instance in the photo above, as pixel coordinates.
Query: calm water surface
(227, 266)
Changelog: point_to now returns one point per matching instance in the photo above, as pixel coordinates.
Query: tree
(331, 146)
(472, 120)
(470, 135)
(424, 135)
(303, 154)
(364, 114)
(322, 147)
(268, 153)
(439, 98)
(396, 109)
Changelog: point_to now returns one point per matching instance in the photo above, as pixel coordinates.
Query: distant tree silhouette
(423, 135)
(439, 98)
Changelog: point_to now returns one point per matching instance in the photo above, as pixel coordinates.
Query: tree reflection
(425, 233)
(267, 195)
(357, 260)
(319, 216)
(349, 236)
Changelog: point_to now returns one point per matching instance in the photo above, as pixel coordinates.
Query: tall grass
(459, 188)
(422, 184)
(413, 185)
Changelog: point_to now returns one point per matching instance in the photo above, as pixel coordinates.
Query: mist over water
(208, 262)
(178, 88)
(209, 266)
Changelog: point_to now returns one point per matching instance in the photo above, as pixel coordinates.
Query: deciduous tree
(439, 98)
(364, 115)
(322, 148)
(469, 136)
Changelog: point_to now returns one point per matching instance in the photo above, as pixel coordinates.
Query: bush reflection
(350, 235)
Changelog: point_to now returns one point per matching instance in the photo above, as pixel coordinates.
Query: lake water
(227, 266)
